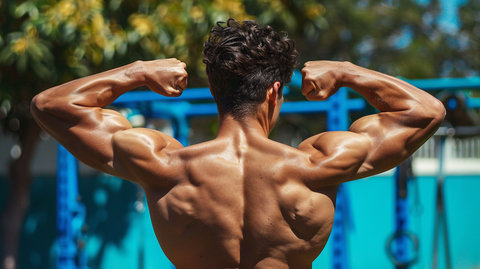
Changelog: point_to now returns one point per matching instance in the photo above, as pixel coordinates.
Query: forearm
(387, 93)
(97, 90)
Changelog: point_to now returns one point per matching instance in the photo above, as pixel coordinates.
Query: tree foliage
(47, 42)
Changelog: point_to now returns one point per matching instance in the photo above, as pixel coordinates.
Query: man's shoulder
(331, 143)
(137, 139)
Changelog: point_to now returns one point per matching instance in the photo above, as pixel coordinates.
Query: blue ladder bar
(71, 213)
(67, 192)
(338, 107)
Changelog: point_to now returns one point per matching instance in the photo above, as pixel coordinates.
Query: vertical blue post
(176, 111)
(340, 225)
(337, 116)
(402, 254)
(67, 192)
(183, 129)
(337, 120)
(441, 228)
(401, 219)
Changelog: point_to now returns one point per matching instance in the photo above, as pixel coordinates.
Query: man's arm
(73, 114)
(375, 143)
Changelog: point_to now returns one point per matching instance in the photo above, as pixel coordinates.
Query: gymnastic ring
(396, 235)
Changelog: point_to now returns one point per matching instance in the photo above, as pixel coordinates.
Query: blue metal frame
(401, 220)
(71, 213)
(440, 226)
(338, 120)
(445, 83)
(400, 254)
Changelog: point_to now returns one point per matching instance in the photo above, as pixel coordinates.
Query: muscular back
(241, 202)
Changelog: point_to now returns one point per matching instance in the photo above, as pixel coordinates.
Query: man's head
(243, 60)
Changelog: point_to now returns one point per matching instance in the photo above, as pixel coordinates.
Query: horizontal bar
(461, 130)
(296, 79)
(209, 109)
(287, 107)
(473, 102)
(141, 96)
(445, 83)
(315, 106)
(424, 84)
(189, 94)
(204, 93)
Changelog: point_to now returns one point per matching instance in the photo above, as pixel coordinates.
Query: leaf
(43, 71)
(34, 51)
(22, 9)
(81, 70)
(33, 12)
(266, 17)
(22, 63)
(7, 57)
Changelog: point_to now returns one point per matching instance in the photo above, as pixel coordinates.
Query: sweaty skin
(240, 200)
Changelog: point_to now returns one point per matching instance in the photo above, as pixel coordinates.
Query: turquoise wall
(121, 237)
(373, 217)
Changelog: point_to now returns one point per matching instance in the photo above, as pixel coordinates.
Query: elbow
(41, 104)
(36, 106)
(432, 113)
(438, 112)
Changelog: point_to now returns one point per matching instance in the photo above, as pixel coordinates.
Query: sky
(448, 19)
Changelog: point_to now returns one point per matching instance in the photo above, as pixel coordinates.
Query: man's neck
(248, 126)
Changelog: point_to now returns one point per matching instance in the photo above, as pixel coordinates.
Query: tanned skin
(240, 200)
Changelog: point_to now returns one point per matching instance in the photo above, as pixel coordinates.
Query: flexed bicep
(105, 140)
(335, 157)
(91, 140)
(373, 144)
(86, 133)
(394, 137)
(74, 113)
(144, 155)
(408, 116)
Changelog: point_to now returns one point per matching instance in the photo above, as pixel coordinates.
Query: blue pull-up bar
(179, 109)
(445, 83)
(70, 212)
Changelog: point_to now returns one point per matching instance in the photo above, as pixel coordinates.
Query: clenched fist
(167, 77)
(321, 79)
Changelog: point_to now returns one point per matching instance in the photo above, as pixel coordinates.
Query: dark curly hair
(243, 60)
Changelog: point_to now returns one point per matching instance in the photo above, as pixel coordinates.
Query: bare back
(241, 203)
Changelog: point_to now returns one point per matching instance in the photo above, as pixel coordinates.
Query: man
(240, 200)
